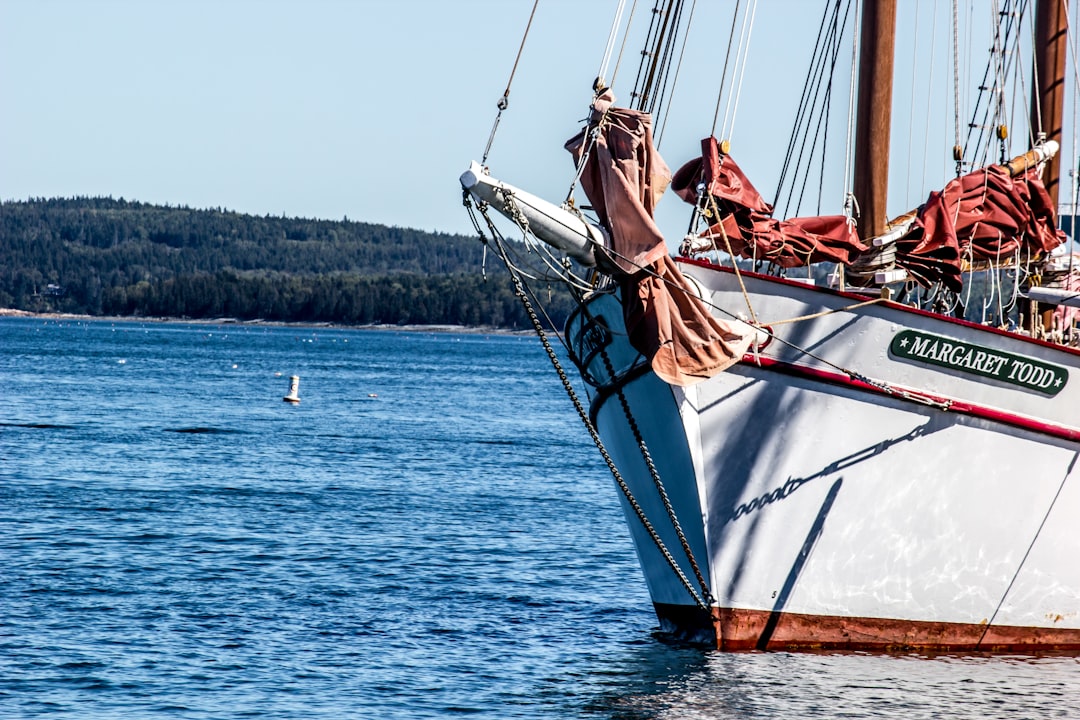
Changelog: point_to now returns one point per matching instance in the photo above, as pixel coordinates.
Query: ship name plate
(1025, 372)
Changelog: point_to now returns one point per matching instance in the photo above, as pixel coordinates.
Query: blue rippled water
(428, 534)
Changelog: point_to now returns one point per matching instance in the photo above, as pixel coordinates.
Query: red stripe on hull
(863, 297)
(954, 406)
(734, 630)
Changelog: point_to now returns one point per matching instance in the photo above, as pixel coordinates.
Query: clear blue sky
(371, 109)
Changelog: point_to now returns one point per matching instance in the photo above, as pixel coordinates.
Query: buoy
(294, 390)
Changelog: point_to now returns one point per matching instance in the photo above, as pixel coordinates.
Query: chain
(522, 295)
(655, 474)
(519, 291)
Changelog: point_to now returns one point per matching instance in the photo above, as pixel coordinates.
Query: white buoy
(294, 390)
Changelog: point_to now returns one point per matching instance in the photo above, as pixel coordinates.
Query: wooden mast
(1048, 99)
(873, 118)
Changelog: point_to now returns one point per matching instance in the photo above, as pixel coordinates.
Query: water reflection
(655, 680)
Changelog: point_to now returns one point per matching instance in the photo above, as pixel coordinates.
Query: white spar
(1054, 296)
(554, 225)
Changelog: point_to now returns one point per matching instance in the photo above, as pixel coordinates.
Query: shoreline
(436, 328)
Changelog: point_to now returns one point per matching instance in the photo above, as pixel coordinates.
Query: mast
(1048, 97)
(874, 113)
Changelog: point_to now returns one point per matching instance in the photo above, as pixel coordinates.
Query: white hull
(825, 511)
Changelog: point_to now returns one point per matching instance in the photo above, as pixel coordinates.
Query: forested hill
(101, 256)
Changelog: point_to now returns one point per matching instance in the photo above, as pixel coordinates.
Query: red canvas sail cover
(746, 222)
(624, 177)
(988, 214)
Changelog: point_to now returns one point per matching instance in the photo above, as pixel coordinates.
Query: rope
(622, 48)
(742, 70)
(727, 242)
(849, 198)
(1036, 91)
(911, 109)
(918, 198)
(956, 84)
(675, 80)
(727, 58)
(808, 104)
(615, 22)
(650, 60)
(663, 82)
(823, 313)
(504, 101)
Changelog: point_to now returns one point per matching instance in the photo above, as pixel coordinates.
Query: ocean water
(428, 534)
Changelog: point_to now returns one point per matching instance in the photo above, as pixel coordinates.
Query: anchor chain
(654, 535)
(628, 493)
(658, 482)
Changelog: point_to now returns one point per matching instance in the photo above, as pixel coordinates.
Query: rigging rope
(649, 58)
(823, 63)
(850, 211)
(675, 80)
(727, 58)
(1073, 172)
(1036, 91)
(958, 149)
(742, 72)
(926, 142)
(622, 47)
(1018, 75)
(504, 101)
(664, 83)
(615, 22)
(655, 80)
(911, 106)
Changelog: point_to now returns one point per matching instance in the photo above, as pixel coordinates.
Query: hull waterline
(841, 491)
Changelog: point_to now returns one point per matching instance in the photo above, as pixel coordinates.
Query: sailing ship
(834, 458)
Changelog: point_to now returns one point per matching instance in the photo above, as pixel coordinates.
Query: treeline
(100, 256)
(459, 299)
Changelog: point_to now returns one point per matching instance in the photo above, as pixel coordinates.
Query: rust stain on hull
(743, 630)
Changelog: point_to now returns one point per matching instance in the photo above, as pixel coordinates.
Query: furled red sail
(624, 177)
(986, 215)
(989, 214)
(746, 222)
